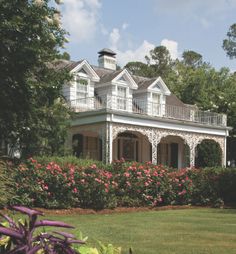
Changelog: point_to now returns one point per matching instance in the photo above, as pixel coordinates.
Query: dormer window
(156, 104)
(121, 99)
(82, 87)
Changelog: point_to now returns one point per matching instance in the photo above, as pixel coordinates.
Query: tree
(191, 58)
(31, 38)
(138, 68)
(229, 44)
(159, 61)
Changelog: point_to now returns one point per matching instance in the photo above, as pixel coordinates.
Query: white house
(119, 115)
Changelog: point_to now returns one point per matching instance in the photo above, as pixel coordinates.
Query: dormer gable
(124, 78)
(159, 86)
(85, 69)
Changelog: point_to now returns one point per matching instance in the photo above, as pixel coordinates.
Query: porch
(139, 106)
(109, 142)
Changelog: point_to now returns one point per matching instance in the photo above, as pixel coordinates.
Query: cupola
(107, 59)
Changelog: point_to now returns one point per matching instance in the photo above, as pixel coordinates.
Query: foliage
(65, 160)
(103, 249)
(229, 44)
(32, 113)
(191, 58)
(192, 80)
(20, 237)
(6, 185)
(208, 154)
(55, 185)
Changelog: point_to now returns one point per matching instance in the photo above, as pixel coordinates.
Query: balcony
(142, 107)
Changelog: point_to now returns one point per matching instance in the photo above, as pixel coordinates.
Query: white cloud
(114, 38)
(172, 46)
(125, 25)
(138, 54)
(80, 18)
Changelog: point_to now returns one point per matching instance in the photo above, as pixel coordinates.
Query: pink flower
(98, 180)
(75, 190)
(128, 183)
(126, 174)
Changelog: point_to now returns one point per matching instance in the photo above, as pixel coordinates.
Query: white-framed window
(82, 85)
(121, 97)
(156, 104)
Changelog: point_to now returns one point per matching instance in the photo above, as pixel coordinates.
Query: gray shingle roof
(65, 64)
(145, 83)
(174, 101)
(107, 75)
(106, 51)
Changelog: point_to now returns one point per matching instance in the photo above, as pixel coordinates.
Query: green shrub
(208, 154)
(227, 184)
(63, 185)
(6, 185)
(65, 160)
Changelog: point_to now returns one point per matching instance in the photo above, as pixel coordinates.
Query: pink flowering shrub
(57, 185)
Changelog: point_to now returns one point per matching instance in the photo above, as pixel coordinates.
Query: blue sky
(133, 27)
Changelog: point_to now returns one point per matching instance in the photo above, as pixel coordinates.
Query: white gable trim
(87, 67)
(131, 83)
(163, 87)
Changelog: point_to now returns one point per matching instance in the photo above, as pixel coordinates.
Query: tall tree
(191, 58)
(31, 37)
(159, 61)
(138, 68)
(229, 44)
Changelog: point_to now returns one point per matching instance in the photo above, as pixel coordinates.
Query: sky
(132, 28)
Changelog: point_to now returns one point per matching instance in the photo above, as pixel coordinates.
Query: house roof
(107, 75)
(106, 51)
(66, 64)
(144, 83)
(174, 101)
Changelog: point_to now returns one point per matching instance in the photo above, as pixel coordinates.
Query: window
(81, 88)
(156, 106)
(91, 147)
(128, 147)
(121, 98)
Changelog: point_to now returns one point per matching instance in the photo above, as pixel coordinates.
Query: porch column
(192, 148)
(106, 137)
(110, 143)
(68, 142)
(154, 152)
(154, 142)
(224, 152)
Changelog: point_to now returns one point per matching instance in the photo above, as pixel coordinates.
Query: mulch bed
(73, 211)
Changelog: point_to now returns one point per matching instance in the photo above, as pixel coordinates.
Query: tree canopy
(229, 44)
(193, 81)
(31, 108)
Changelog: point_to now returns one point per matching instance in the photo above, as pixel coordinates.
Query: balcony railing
(138, 106)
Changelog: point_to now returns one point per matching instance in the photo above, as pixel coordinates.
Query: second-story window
(156, 104)
(121, 98)
(81, 88)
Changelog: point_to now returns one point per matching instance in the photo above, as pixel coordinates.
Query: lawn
(185, 231)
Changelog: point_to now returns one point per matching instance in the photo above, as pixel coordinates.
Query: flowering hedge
(52, 185)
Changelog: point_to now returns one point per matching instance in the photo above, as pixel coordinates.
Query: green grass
(187, 231)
